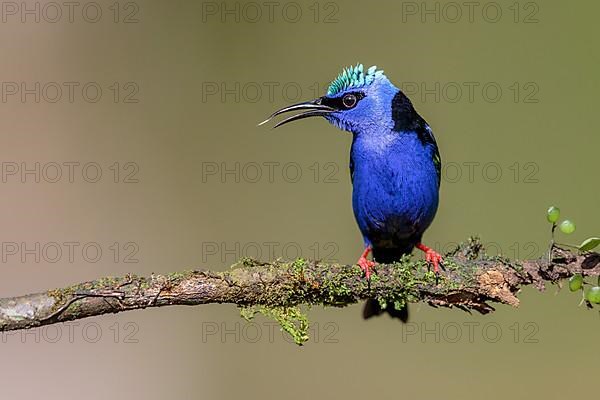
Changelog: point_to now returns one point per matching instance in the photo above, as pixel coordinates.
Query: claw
(431, 256)
(365, 264)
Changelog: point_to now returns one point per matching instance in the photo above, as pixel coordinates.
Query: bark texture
(471, 281)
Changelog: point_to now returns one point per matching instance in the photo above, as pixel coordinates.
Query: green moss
(61, 296)
(450, 265)
(297, 268)
(290, 319)
(248, 313)
(374, 278)
(399, 305)
(411, 274)
(298, 265)
(247, 262)
(429, 276)
(339, 285)
(106, 282)
(176, 277)
(144, 284)
(335, 287)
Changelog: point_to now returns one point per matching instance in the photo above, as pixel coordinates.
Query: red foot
(431, 256)
(364, 264)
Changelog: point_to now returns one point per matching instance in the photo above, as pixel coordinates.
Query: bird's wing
(427, 138)
(437, 162)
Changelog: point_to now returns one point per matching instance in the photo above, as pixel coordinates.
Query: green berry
(593, 296)
(553, 214)
(567, 227)
(575, 282)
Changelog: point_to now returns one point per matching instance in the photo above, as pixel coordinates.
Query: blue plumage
(394, 163)
(395, 191)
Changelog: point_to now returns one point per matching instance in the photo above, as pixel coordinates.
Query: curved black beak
(312, 108)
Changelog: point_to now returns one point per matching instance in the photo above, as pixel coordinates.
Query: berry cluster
(576, 282)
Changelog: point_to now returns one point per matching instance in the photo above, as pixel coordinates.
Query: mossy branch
(472, 281)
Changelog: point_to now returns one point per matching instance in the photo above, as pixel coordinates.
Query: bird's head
(356, 101)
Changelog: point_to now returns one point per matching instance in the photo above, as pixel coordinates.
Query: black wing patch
(406, 119)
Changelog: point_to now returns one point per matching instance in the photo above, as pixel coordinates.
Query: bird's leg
(431, 256)
(365, 264)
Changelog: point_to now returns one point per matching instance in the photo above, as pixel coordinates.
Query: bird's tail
(372, 307)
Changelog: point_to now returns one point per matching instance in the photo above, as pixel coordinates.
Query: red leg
(431, 256)
(366, 265)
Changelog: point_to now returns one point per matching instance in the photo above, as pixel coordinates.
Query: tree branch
(471, 281)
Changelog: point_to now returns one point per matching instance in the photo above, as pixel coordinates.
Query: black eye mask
(342, 103)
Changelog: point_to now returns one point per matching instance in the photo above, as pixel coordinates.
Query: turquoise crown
(353, 77)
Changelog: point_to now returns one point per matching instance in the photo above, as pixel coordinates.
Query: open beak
(312, 108)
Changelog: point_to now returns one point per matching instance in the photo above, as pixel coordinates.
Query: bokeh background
(164, 105)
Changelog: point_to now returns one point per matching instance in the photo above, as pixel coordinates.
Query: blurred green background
(198, 184)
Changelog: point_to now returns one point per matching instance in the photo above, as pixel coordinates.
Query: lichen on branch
(277, 289)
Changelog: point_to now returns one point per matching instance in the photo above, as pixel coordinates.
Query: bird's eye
(349, 101)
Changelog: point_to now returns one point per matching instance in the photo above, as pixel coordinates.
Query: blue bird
(395, 166)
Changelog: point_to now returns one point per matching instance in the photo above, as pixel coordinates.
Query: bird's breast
(395, 193)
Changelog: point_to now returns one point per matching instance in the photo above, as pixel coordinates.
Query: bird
(395, 167)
